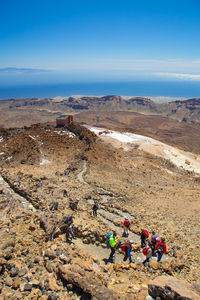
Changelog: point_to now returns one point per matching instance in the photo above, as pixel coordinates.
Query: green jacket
(112, 241)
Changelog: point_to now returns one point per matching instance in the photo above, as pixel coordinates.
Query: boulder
(3, 261)
(73, 204)
(88, 282)
(133, 266)
(53, 205)
(28, 287)
(49, 267)
(22, 272)
(154, 265)
(171, 288)
(166, 267)
(16, 283)
(48, 223)
(50, 254)
(14, 271)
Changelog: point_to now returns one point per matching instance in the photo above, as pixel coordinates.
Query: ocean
(176, 89)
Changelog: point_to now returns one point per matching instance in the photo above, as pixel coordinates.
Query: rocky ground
(73, 167)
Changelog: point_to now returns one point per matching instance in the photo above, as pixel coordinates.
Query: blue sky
(100, 40)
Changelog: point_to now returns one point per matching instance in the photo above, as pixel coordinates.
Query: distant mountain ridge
(182, 110)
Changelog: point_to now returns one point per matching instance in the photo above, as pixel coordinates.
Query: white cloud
(132, 65)
(195, 77)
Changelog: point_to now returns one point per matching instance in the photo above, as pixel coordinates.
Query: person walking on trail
(147, 251)
(144, 236)
(154, 240)
(112, 243)
(126, 225)
(161, 249)
(126, 248)
(94, 209)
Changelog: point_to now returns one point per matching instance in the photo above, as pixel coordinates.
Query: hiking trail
(107, 217)
(83, 171)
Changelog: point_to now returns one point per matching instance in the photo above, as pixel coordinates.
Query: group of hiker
(153, 246)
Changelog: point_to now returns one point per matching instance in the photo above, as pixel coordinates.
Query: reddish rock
(16, 283)
(133, 266)
(171, 288)
(154, 265)
(89, 283)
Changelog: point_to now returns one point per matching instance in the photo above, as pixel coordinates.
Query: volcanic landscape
(139, 164)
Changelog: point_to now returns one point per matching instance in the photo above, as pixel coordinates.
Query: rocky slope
(72, 167)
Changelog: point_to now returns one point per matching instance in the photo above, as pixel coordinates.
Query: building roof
(61, 117)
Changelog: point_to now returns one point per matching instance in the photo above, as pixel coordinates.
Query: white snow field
(182, 159)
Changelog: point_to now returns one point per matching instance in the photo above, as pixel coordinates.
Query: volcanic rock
(171, 288)
(87, 282)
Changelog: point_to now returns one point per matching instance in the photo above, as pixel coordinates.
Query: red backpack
(125, 245)
(146, 233)
(144, 251)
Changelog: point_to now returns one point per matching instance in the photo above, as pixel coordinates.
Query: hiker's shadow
(124, 234)
(107, 260)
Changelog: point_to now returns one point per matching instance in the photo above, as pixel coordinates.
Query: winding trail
(43, 160)
(83, 171)
(109, 216)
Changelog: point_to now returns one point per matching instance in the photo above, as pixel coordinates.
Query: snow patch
(31, 137)
(179, 158)
(9, 158)
(70, 134)
(44, 162)
(1, 139)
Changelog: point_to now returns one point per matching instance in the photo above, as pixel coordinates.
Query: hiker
(108, 235)
(126, 225)
(112, 243)
(154, 240)
(144, 236)
(161, 249)
(147, 251)
(95, 207)
(126, 247)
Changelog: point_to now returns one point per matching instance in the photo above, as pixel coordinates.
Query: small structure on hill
(64, 120)
(97, 119)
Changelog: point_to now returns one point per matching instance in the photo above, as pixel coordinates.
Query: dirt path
(102, 253)
(109, 218)
(80, 175)
(43, 160)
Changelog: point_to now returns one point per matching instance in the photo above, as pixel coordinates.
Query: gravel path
(80, 175)
(103, 214)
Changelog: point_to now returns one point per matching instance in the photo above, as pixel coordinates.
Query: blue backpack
(108, 235)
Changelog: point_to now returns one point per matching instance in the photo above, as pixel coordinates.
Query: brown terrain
(43, 164)
(20, 112)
